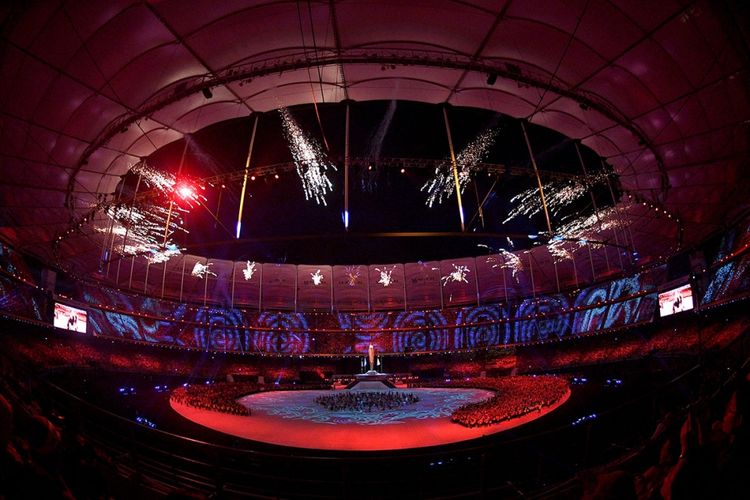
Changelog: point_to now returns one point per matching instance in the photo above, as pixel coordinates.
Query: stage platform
(292, 418)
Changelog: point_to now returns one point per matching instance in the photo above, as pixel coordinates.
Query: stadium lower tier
(680, 335)
(104, 416)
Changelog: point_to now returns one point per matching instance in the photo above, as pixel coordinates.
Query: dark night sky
(277, 220)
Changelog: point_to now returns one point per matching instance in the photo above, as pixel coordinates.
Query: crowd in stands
(221, 397)
(41, 349)
(514, 397)
(687, 338)
(701, 452)
(42, 452)
(366, 401)
(48, 349)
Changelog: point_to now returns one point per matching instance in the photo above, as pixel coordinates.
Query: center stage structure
(372, 379)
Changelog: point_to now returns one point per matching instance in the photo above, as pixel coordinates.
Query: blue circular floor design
(300, 405)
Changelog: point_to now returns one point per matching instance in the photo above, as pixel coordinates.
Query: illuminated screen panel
(633, 311)
(458, 280)
(422, 284)
(314, 287)
(20, 299)
(419, 331)
(484, 326)
(350, 288)
(279, 286)
(70, 318)
(387, 290)
(730, 280)
(676, 300)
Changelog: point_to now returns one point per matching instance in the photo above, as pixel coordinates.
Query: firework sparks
(557, 250)
(249, 270)
(510, 261)
(385, 276)
(590, 227)
(159, 256)
(585, 231)
(147, 227)
(317, 277)
(142, 231)
(185, 191)
(202, 270)
(161, 181)
(558, 194)
(442, 184)
(457, 275)
(309, 159)
(352, 275)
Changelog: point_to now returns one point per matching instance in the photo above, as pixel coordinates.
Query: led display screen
(676, 300)
(70, 318)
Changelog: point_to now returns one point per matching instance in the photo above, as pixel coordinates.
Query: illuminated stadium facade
(253, 197)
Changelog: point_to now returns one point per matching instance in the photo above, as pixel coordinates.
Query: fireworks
(155, 256)
(249, 270)
(457, 275)
(352, 275)
(556, 249)
(583, 230)
(317, 277)
(187, 191)
(308, 158)
(201, 270)
(385, 275)
(142, 231)
(148, 224)
(510, 261)
(558, 194)
(591, 226)
(161, 181)
(442, 185)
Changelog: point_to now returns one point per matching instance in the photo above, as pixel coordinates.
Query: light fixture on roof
(207, 93)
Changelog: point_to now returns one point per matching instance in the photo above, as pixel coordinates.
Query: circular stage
(292, 418)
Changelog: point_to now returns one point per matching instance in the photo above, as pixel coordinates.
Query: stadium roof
(658, 89)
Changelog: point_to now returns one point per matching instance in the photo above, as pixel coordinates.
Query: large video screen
(675, 300)
(70, 318)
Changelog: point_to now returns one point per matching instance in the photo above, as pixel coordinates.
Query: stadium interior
(341, 249)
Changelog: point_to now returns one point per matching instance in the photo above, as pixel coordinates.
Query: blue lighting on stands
(584, 419)
(145, 421)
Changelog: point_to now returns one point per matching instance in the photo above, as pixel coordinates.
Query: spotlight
(185, 191)
(207, 93)
(403, 170)
(275, 176)
(491, 78)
